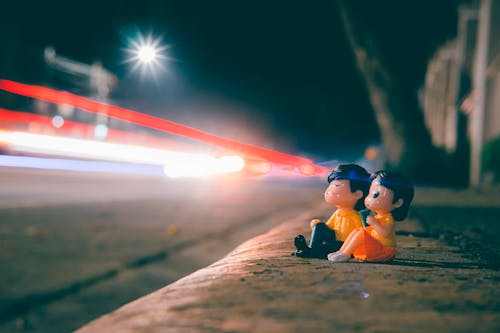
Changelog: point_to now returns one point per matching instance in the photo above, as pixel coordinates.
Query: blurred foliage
(491, 158)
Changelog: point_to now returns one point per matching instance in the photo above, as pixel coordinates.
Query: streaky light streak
(181, 164)
(60, 97)
(78, 165)
(9, 117)
(225, 164)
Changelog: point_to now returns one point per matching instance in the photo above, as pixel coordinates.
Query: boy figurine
(349, 184)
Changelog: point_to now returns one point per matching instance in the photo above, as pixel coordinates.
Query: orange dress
(376, 247)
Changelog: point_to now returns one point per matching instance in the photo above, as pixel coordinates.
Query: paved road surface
(76, 245)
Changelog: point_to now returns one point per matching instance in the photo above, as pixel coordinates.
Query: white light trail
(177, 164)
(43, 163)
(212, 166)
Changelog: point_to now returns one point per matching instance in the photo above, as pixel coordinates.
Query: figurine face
(380, 198)
(339, 194)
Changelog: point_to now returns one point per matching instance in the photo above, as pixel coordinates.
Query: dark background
(275, 73)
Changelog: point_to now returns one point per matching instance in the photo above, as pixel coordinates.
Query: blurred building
(461, 95)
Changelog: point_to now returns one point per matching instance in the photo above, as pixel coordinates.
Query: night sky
(275, 73)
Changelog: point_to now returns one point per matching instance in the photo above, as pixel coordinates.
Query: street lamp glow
(147, 53)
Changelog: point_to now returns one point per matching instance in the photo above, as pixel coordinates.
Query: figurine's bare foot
(338, 257)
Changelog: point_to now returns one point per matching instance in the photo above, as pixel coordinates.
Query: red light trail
(63, 97)
(85, 130)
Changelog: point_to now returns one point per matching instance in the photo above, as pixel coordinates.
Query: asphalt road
(74, 246)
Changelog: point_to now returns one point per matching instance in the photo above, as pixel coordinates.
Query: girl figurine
(389, 198)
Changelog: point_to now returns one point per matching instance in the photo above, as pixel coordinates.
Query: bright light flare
(307, 169)
(58, 121)
(100, 131)
(146, 53)
(256, 167)
(210, 166)
(177, 164)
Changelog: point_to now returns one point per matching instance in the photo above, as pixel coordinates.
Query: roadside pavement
(445, 278)
(66, 264)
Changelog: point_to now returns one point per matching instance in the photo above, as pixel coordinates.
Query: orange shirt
(343, 222)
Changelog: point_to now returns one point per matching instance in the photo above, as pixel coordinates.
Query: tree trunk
(405, 138)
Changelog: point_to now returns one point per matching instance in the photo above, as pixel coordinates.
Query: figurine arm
(383, 230)
(314, 222)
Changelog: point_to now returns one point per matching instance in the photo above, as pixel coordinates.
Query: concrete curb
(260, 287)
